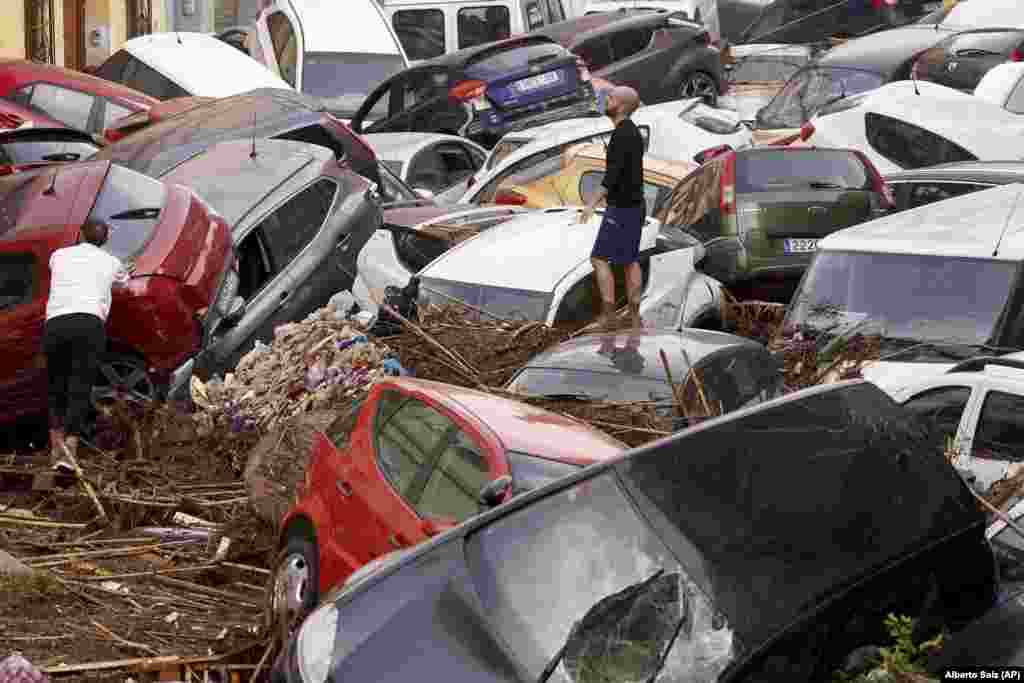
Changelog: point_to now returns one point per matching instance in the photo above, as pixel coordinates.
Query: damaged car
(764, 545)
(27, 148)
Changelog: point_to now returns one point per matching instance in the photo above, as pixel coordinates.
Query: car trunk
(524, 79)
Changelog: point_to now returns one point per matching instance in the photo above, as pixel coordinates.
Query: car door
(994, 433)
(910, 194)
(279, 39)
(945, 409)
(22, 312)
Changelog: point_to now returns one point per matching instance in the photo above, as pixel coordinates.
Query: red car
(163, 110)
(15, 116)
(73, 98)
(179, 250)
(419, 459)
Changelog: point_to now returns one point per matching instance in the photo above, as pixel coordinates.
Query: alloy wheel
(123, 378)
(700, 84)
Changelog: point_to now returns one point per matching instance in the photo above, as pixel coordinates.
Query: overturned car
(764, 545)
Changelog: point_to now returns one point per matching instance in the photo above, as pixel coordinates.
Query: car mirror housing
(493, 492)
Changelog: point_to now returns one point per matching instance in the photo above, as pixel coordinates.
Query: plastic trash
(17, 669)
(315, 374)
(361, 339)
(394, 368)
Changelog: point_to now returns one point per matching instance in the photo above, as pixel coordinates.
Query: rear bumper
(497, 122)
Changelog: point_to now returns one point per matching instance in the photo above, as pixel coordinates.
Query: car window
(131, 204)
(282, 38)
(479, 25)
(381, 109)
(150, 81)
(941, 409)
(113, 69)
(421, 32)
(347, 78)
(254, 267)
(408, 433)
(453, 488)
(596, 53)
(590, 183)
(909, 146)
(44, 150)
(1015, 103)
(425, 85)
(392, 188)
(556, 11)
(1000, 431)
(17, 279)
(771, 170)
(427, 171)
(459, 163)
(628, 43)
(532, 15)
(295, 223)
(810, 90)
(497, 63)
(523, 171)
(70, 107)
(730, 381)
(112, 112)
(530, 472)
(914, 194)
(694, 203)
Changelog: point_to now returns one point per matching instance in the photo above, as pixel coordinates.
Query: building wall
(12, 29)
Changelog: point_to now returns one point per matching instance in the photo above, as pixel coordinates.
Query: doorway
(74, 34)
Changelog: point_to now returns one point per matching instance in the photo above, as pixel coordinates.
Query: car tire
(699, 84)
(122, 375)
(294, 586)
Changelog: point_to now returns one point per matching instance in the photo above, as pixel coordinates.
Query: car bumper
(497, 122)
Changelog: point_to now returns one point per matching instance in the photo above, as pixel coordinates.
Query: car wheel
(123, 377)
(702, 85)
(293, 588)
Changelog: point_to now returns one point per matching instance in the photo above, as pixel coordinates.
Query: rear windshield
(492, 65)
(530, 472)
(496, 302)
(131, 204)
(595, 386)
(773, 170)
(347, 78)
(811, 90)
(30, 152)
(717, 121)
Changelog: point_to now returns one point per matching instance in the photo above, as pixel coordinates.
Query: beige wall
(12, 29)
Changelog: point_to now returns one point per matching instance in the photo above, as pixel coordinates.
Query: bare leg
(634, 280)
(606, 285)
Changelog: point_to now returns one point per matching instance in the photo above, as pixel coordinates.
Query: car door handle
(284, 295)
(344, 488)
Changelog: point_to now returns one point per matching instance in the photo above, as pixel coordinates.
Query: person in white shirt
(81, 280)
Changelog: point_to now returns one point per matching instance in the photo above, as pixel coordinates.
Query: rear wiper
(822, 185)
(62, 156)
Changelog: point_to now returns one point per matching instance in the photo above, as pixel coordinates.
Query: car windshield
(530, 471)
(346, 78)
(767, 68)
(500, 302)
(909, 297)
(393, 166)
(717, 121)
(131, 204)
(1002, 13)
(769, 170)
(541, 569)
(598, 386)
(491, 65)
(813, 89)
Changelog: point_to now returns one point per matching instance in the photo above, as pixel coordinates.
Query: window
(295, 223)
(495, 64)
(453, 488)
(590, 183)
(772, 170)
(1000, 431)
(532, 15)
(913, 195)
(44, 150)
(1015, 103)
(810, 90)
(694, 203)
(408, 434)
(628, 43)
(423, 86)
(530, 472)
(254, 269)
(421, 32)
(112, 112)
(941, 409)
(392, 188)
(479, 25)
(70, 107)
(113, 69)
(150, 81)
(17, 279)
(525, 171)
(556, 12)
(428, 172)
(282, 38)
(415, 249)
(131, 203)
(501, 302)
(597, 53)
(909, 146)
(347, 78)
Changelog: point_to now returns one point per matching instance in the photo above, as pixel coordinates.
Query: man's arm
(612, 170)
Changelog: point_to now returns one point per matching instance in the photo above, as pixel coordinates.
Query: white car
(757, 72)
(1003, 86)
(674, 131)
(428, 162)
(179, 64)
(537, 267)
(910, 124)
(336, 49)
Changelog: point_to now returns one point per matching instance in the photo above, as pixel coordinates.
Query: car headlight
(316, 644)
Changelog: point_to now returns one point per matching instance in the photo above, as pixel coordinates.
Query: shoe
(68, 455)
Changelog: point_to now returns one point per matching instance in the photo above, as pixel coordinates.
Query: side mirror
(423, 193)
(235, 313)
(493, 492)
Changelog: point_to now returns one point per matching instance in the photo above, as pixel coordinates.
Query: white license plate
(799, 246)
(534, 82)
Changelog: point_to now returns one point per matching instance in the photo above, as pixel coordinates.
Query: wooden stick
(118, 639)
(680, 408)
(21, 521)
(155, 572)
(84, 482)
(202, 590)
(115, 552)
(138, 663)
(998, 513)
(263, 659)
(246, 567)
(104, 541)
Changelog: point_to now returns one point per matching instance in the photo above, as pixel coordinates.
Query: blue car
(482, 92)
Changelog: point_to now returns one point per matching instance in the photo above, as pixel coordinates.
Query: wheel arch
(297, 526)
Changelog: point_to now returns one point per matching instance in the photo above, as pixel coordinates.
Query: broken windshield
(906, 297)
(810, 90)
(560, 577)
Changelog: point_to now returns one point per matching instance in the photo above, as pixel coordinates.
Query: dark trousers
(73, 344)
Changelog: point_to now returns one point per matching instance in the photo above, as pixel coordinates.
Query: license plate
(534, 82)
(799, 246)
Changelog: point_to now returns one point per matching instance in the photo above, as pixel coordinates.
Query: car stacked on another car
(963, 59)
(27, 148)
(430, 162)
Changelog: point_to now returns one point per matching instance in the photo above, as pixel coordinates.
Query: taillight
(1017, 55)
(711, 153)
(806, 131)
(878, 183)
(113, 135)
(467, 90)
(509, 198)
(727, 202)
(8, 120)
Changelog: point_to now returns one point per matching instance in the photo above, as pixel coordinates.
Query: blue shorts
(618, 238)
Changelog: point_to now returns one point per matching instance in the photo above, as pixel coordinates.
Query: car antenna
(1009, 216)
(252, 154)
(178, 36)
(52, 189)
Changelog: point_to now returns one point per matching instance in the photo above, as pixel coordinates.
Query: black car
(764, 545)
(961, 60)
(662, 55)
(298, 219)
(732, 372)
(262, 113)
(27, 147)
(911, 189)
(482, 92)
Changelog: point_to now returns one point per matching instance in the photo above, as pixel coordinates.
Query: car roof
(462, 57)
(575, 31)
(403, 146)
(522, 427)
(365, 28)
(968, 226)
(202, 64)
(19, 71)
(998, 172)
(883, 52)
(233, 181)
(684, 349)
(995, 133)
(516, 244)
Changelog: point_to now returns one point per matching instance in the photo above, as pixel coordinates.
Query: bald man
(618, 239)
